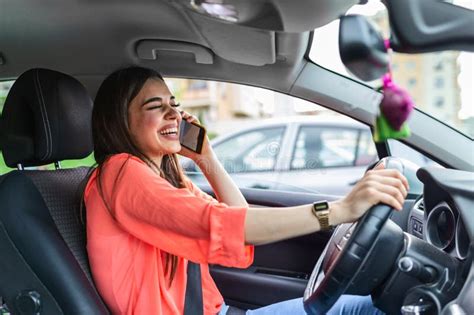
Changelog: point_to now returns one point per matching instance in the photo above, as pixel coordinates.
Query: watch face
(321, 206)
(321, 211)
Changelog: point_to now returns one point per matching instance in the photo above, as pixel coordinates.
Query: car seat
(43, 266)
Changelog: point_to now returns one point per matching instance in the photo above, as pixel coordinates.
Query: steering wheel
(356, 259)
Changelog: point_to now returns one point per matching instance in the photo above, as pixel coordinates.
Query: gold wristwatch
(321, 212)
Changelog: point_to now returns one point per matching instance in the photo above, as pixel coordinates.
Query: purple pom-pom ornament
(396, 104)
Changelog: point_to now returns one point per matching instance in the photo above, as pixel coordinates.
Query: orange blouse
(148, 217)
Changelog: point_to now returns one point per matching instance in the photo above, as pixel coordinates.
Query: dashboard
(443, 217)
(426, 268)
(441, 225)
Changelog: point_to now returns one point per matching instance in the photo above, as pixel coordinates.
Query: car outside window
(319, 147)
(251, 151)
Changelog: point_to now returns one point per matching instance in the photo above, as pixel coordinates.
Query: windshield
(441, 84)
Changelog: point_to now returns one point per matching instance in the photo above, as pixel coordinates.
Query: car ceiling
(89, 39)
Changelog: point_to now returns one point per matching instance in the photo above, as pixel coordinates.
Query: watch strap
(321, 212)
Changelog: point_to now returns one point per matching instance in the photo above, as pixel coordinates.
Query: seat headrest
(46, 118)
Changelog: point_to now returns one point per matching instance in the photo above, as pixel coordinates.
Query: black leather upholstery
(46, 118)
(42, 240)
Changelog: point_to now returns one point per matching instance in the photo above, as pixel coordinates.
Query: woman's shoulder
(113, 166)
(123, 157)
(121, 164)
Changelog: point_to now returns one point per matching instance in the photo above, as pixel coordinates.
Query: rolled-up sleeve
(177, 220)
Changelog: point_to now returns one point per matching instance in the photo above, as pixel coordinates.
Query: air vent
(421, 205)
(415, 224)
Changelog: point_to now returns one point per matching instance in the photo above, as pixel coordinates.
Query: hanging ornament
(395, 109)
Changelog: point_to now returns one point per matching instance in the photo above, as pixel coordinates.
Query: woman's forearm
(267, 225)
(222, 184)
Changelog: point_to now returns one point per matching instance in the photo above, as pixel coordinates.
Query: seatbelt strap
(193, 304)
(235, 311)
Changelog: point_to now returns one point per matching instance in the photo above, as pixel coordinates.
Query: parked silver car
(290, 154)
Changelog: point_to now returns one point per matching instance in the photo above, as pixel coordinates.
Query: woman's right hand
(206, 153)
(378, 185)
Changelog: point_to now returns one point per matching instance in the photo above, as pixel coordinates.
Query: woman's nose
(171, 112)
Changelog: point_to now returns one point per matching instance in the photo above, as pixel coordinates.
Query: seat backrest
(43, 265)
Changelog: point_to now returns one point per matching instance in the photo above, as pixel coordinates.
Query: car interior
(418, 260)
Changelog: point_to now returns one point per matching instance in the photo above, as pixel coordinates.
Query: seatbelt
(235, 311)
(193, 304)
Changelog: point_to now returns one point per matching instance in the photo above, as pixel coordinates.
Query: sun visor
(247, 45)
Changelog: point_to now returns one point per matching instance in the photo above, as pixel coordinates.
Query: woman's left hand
(379, 185)
(206, 147)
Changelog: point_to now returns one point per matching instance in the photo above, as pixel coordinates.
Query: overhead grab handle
(146, 49)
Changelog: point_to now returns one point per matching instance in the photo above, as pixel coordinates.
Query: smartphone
(191, 136)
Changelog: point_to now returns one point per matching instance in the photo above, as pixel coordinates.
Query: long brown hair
(111, 132)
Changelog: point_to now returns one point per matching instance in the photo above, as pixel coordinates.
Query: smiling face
(154, 120)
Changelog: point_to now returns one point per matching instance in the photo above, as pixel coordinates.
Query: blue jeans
(346, 305)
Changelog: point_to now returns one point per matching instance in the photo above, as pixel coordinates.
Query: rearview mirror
(362, 48)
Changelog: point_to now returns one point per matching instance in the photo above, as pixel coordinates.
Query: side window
(251, 151)
(247, 126)
(320, 147)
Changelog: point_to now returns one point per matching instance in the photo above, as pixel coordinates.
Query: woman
(145, 219)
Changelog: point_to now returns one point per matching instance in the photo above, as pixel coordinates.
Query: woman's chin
(172, 149)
